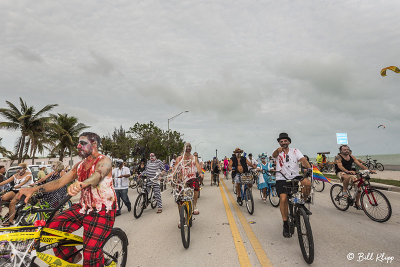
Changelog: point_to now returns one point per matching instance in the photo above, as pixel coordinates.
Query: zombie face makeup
(84, 147)
(284, 143)
(188, 148)
(152, 157)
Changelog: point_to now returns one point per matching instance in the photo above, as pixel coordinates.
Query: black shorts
(280, 187)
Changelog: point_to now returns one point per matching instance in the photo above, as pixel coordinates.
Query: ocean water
(391, 159)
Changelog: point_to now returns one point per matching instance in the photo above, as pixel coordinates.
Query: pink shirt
(96, 197)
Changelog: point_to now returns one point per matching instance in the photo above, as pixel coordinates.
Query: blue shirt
(265, 168)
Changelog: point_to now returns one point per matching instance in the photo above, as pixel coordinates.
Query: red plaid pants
(97, 226)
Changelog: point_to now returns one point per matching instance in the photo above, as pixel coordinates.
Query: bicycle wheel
(139, 205)
(29, 218)
(185, 227)
(249, 201)
(337, 198)
(379, 167)
(139, 185)
(115, 248)
(305, 236)
(376, 205)
(274, 197)
(318, 185)
(153, 200)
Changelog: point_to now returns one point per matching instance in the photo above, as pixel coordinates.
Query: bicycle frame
(364, 185)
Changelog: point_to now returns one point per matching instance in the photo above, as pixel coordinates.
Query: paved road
(155, 238)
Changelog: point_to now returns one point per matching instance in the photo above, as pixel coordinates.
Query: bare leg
(264, 190)
(306, 188)
(238, 189)
(284, 206)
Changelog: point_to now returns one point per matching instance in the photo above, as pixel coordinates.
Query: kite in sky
(392, 68)
(382, 126)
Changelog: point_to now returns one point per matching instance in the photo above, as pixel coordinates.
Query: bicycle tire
(305, 236)
(139, 205)
(337, 198)
(185, 227)
(249, 201)
(153, 201)
(366, 205)
(116, 235)
(319, 185)
(379, 167)
(274, 197)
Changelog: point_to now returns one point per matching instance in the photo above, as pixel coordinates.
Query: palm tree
(3, 150)
(64, 130)
(26, 120)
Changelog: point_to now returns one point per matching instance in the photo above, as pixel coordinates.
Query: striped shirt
(153, 167)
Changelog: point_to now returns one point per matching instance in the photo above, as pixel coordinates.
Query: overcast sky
(245, 70)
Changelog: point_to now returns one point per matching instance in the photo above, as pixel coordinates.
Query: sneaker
(286, 232)
(129, 208)
(118, 213)
(239, 200)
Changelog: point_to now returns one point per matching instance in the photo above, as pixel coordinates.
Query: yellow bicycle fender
(52, 260)
(63, 234)
(21, 236)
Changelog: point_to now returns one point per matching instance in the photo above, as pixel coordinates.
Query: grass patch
(374, 180)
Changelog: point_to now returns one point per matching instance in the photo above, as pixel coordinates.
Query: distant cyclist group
(102, 187)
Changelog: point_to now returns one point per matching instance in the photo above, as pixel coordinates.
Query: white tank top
(18, 181)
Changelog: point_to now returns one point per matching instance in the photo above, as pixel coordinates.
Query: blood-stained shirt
(188, 168)
(288, 164)
(96, 197)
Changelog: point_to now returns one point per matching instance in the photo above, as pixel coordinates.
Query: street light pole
(170, 119)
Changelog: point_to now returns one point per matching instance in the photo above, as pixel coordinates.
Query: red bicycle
(373, 202)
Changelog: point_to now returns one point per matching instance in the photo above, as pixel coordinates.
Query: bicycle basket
(247, 178)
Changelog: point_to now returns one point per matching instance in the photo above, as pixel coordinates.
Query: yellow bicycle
(184, 197)
(25, 245)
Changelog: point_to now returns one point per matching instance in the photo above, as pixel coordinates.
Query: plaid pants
(96, 228)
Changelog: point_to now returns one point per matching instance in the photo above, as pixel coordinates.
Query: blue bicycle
(246, 194)
(271, 191)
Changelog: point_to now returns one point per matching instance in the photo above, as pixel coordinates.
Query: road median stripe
(255, 243)
(241, 250)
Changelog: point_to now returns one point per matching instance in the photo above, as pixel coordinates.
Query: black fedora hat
(284, 136)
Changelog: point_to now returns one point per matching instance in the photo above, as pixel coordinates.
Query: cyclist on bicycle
(344, 168)
(287, 162)
(239, 165)
(21, 179)
(226, 165)
(96, 209)
(154, 166)
(264, 177)
(215, 169)
(186, 167)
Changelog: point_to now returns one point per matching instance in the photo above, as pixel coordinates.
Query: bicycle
(328, 167)
(215, 178)
(145, 198)
(184, 197)
(373, 164)
(246, 195)
(299, 217)
(318, 185)
(373, 202)
(271, 191)
(23, 245)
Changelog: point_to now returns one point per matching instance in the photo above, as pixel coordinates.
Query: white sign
(342, 139)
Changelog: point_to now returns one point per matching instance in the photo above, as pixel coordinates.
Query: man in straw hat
(287, 162)
(239, 165)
